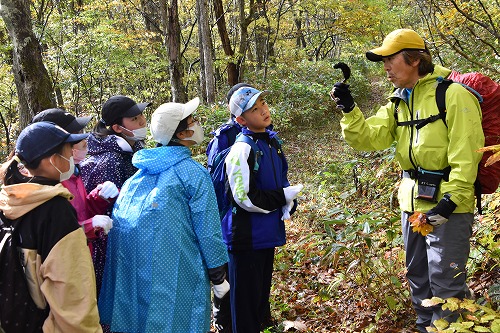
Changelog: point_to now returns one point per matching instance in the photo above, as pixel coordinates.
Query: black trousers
(250, 273)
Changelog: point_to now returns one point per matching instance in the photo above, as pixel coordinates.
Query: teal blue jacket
(165, 237)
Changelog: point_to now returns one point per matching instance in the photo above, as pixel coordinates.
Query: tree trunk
(206, 58)
(34, 87)
(261, 36)
(232, 68)
(244, 23)
(173, 41)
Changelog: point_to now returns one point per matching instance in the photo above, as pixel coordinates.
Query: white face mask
(65, 175)
(198, 134)
(79, 155)
(138, 134)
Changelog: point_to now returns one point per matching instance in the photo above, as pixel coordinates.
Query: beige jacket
(55, 255)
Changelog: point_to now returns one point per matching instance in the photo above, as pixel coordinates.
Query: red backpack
(488, 93)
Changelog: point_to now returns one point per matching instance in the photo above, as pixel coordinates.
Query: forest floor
(311, 291)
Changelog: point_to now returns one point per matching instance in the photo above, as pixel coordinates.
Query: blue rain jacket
(166, 234)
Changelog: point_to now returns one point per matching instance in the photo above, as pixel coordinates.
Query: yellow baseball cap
(396, 41)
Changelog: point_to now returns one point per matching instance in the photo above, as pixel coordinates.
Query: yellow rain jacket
(432, 147)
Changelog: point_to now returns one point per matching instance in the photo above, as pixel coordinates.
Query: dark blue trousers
(250, 273)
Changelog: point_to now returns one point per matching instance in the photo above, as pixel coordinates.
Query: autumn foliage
(418, 221)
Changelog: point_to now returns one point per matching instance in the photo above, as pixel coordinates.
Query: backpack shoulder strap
(248, 140)
(416, 122)
(277, 142)
(441, 88)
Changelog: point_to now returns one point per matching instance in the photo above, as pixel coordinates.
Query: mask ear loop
(50, 160)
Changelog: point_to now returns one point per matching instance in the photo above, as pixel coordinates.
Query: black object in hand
(342, 96)
(346, 71)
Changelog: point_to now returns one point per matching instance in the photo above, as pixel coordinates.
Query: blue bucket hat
(243, 99)
(40, 138)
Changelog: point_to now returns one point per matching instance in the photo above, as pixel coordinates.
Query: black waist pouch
(428, 183)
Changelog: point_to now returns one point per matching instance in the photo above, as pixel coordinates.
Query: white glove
(291, 192)
(286, 211)
(220, 290)
(102, 221)
(107, 190)
(436, 220)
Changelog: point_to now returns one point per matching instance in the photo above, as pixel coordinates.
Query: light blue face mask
(67, 174)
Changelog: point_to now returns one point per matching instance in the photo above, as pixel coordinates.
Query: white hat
(167, 117)
(244, 99)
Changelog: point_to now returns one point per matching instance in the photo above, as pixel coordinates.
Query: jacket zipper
(272, 162)
(410, 149)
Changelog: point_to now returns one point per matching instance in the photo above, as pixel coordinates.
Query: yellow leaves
(432, 302)
(474, 317)
(419, 223)
(493, 158)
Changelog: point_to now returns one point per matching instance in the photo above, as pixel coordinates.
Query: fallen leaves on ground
(297, 325)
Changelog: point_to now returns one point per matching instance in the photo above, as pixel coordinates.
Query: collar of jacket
(19, 199)
(431, 78)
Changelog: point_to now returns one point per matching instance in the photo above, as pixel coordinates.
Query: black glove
(217, 276)
(441, 213)
(342, 96)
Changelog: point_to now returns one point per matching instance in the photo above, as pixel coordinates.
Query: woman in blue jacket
(166, 244)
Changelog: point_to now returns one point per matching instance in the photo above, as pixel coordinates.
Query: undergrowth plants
(367, 252)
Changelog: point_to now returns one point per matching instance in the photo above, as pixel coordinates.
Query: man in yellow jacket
(439, 162)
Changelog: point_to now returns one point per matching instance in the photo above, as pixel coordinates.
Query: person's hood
(156, 160)
(431, 78)
(101, 145)
(19, 199)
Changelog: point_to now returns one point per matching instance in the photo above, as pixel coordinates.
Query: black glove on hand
(441, 213)
(217, 276)
(342, 96)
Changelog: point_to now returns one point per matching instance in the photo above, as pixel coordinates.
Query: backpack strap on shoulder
(396, 108)
(258, 153)
(418, 123)
(441, 88)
